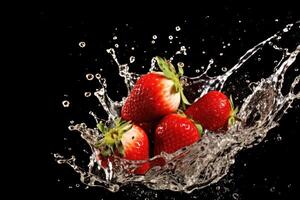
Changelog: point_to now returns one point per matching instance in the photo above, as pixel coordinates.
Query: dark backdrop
(267, 171)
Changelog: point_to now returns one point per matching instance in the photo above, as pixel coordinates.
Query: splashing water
(209, 159)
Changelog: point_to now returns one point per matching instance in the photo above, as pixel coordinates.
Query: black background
(63, 65)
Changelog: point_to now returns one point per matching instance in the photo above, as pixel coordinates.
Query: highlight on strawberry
(155, 94)
(214, 111)
(125, 140)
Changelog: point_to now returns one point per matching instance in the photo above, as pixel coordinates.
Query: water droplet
(58, 180)
(115, 38)
(276, 20)
(170, 37)
(180, 64)
(132, 48)
(66, 103)
(285, 30)
(101, 92)
(203, 52)
(289, 185)
(218, 188)
(117, 45)
(265, 179)
(87, 94)
(154, 37)
(224, 69)
(224, 46)
(197, 71)
(235, 196)
(72, 122)
(131, 59)
(258, 59)
(221, 54)
(89, 77)
(177, 28)
(240, 21)
(71, 128)
(153, 42)
(70, 149)
(98, 76)
(82, 44)
(272, 189)
(70, 187)
(228, 44)
(296, 69)
(278, 138)
(77, 185)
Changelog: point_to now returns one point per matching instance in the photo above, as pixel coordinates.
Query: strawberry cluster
(155, 112)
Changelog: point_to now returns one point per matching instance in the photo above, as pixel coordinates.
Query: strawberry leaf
(232, 119)
(200, 128)
(106, 151)
(167, 68)
(120, 148)
(101, 127)
(183, 98)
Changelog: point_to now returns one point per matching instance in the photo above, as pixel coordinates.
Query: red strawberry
(124, 140)
(155, 94)
(174, 132)
(214, 111)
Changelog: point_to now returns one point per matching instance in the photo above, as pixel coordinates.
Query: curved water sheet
(208, 160)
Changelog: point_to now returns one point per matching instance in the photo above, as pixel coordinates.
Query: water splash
(208, 160)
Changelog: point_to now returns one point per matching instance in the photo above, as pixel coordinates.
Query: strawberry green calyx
(112, 137)
(170, 72)
(200, 129)
(232, 117)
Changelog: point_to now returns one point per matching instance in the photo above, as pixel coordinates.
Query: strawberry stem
(169, 71)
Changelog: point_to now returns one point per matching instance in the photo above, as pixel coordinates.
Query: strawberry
(124, 140)
(174, 132)
(155, 94)
(214, 111)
